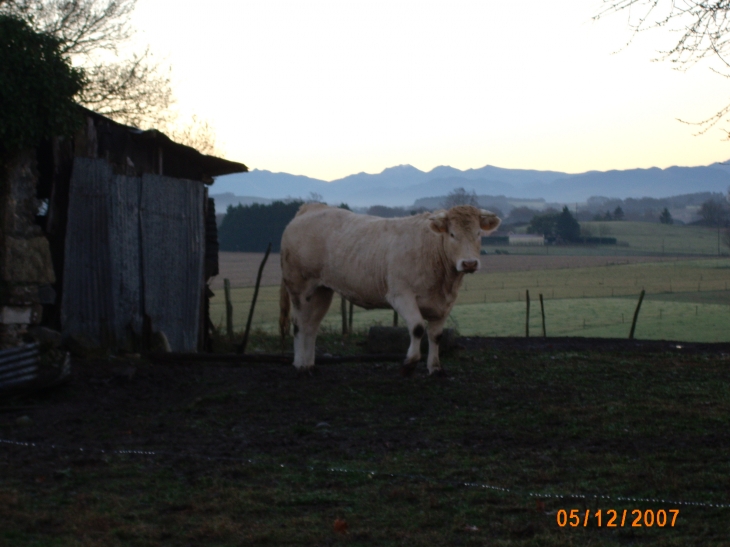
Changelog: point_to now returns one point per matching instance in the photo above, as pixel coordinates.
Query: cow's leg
(435, 330)
(407, 307)
(308, 314)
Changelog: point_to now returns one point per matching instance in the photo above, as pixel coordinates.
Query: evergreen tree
(566, 227)
(250, 228)
(666, 217)
(618, 213)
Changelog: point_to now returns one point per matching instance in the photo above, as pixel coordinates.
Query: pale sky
(331, 88)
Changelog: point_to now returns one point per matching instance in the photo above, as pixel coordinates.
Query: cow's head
(462, 228)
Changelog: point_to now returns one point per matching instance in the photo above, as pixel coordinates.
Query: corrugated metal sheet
(18, 365)
(134, 246)
(87, 306)
(173, 246)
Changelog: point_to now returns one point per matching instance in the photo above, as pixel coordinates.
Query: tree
(250, 228)
(618, 213)
(134, 90)
(666, 217)
(566, 227)
(37, 86)
(713, 213)
(521, 214)
(543, 224)
(702, 27)
(460, 196)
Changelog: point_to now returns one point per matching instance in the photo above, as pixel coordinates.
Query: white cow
(414, 265)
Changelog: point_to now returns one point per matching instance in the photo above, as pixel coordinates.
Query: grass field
(688, 300)
(637, 238)
(356, 455)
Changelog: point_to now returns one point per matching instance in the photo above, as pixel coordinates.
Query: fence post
(229, 309)
(527, 320)
(395, 318)
(343, 312)
(352, 307)
(244, 342)
(542, 311)
(636, 314)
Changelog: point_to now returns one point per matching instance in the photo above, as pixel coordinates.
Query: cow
(414, 265)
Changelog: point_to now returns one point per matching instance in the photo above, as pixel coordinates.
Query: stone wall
(26, 270)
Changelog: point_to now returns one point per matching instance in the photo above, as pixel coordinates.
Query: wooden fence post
(636, 315)
(527, 320)
(343, 311)
(229, 309)
(542, 311)
(352, 306)
(244, 342)
(395, 318)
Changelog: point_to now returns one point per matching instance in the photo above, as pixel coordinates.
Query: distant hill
(404, 184)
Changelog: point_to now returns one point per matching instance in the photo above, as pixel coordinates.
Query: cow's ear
(439, 222)
(488, 221)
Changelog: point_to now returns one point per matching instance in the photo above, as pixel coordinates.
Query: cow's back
(359, 256)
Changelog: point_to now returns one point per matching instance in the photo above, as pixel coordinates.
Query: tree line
(250, 228)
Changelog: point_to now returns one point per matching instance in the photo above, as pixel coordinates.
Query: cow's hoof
(439, 373)
(305, 371)
(407, 369)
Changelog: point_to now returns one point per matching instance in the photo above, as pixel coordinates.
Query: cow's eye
(452, 235)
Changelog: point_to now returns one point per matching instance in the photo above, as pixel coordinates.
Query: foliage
(250, 228)
(134, 89)
(566, 227)
(543, 224)
(521, 214)
(37, 86)
(666, 217)
(714, 213)
(460, 196)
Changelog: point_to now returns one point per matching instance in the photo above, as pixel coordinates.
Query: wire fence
(521, 492)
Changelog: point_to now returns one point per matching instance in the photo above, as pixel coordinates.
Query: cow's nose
(470, 265)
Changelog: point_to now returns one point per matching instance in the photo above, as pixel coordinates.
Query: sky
(331, 88)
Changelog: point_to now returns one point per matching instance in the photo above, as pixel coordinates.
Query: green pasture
(634, 238)
(687, 300)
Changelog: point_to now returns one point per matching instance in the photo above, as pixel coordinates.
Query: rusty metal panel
(173, 252)
(87, 306)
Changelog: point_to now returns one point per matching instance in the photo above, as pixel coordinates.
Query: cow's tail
(284, 308)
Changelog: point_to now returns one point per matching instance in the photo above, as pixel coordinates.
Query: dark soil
(120, 402)
(513, 412)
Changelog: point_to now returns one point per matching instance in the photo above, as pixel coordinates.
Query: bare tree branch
(704, 33)
(83, 26)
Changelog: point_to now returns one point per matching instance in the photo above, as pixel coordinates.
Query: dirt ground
(242, 268)
(126, 401)
(132, 451)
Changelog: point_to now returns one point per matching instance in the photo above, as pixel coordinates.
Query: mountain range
(404, 184)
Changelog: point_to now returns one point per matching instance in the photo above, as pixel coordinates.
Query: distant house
(125, 238)
(526, 239)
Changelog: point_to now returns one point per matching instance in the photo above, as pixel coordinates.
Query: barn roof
(134, 151)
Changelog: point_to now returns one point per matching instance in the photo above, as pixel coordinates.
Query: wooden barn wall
(134, 246)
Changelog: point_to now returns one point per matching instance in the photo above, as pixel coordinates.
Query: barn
(110, 237)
